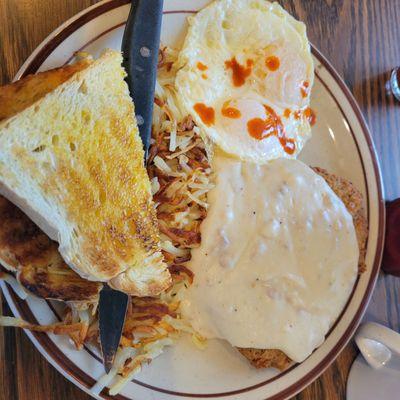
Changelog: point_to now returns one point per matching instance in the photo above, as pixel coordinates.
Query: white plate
(341, 143)
(367, 383)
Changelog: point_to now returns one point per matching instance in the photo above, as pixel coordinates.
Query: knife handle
(140, 45)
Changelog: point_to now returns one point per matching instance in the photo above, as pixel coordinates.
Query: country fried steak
(353, 200)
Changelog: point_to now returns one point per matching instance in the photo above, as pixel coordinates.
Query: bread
(353, 200)
(17, 96)
(73, 162)
(24, 248)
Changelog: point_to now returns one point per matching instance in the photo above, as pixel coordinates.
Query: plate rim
(32, 64)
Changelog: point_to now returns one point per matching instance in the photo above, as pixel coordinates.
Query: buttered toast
(73, 162)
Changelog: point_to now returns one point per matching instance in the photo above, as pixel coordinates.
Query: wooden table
(359, 37)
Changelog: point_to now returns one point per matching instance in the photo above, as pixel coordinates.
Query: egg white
(247, 30)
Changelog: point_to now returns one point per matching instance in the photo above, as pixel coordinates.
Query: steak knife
(140, 46)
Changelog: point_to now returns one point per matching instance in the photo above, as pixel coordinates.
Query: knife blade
(112, 312)
(140, 45)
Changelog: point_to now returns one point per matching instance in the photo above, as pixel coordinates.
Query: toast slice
(353, 200)
(73, 162)
(24, 249)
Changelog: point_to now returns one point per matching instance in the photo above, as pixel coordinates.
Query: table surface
(359, 37)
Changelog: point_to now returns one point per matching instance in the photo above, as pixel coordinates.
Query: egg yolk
(235, 113)
(249, 117)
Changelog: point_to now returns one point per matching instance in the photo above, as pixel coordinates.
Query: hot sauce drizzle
(230, 112)
(304, 89)
(207, 114)
(286, 113)
(272, 63)
(260, 129)
(201, 66)
(310, 115)
(297, 114)
(239, 72)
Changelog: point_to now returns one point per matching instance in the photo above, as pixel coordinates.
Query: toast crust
(19, 95)
(353, 200)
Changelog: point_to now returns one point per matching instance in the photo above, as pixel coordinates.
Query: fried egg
(246, 74)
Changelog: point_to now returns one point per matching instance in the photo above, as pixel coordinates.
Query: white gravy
(278, 258)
